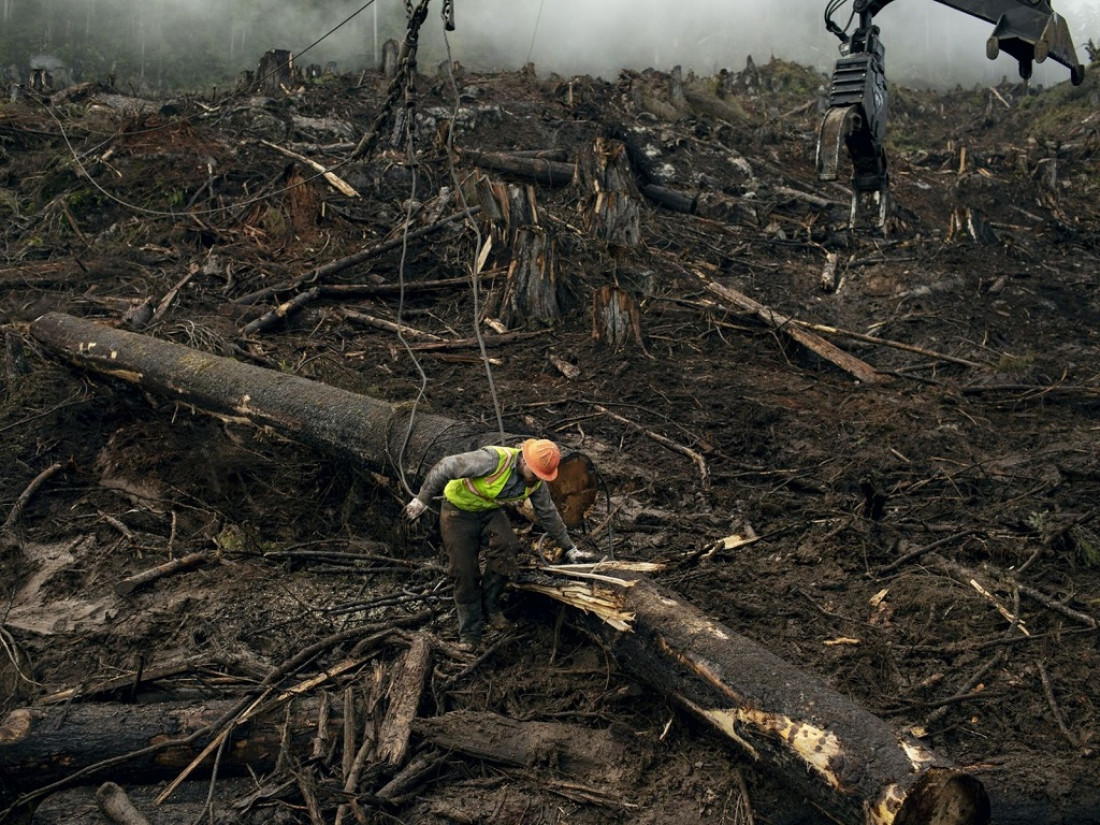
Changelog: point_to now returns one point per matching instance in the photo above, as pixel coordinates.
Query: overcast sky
(925, 40)
(927, 43)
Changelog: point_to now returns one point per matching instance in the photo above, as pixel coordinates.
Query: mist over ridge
(157, 44)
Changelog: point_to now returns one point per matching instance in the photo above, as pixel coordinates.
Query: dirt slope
(977, 446)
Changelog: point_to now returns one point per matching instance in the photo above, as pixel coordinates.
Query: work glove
(574, 556)
(414, 509)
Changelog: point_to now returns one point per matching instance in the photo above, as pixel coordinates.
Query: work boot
(492, 587)
(469, 626)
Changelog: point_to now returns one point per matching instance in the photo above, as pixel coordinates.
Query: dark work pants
(463, 533)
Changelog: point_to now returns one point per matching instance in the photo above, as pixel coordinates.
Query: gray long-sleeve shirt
(483, 462)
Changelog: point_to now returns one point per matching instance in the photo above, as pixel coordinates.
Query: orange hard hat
(542, 457)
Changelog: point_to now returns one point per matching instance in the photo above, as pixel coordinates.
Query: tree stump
(390, 51)
(614, 202)
(534, 292)
(275, 72)
(615, 318)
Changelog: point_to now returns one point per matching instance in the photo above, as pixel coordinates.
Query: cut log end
(574, 490)
(944, 797)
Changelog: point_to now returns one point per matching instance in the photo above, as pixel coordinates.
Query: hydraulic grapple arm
(1029, 30)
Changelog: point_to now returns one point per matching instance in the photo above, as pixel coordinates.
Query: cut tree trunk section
(847, 761)
(41, 745)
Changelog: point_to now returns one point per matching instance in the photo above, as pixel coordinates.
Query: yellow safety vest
(482, 493)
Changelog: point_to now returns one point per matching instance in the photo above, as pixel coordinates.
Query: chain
(401, 85)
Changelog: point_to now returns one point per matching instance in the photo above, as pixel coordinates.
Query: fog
(926, 42)
(153, 41)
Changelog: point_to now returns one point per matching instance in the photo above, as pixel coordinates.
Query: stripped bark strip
(815, 343)
(25, 497)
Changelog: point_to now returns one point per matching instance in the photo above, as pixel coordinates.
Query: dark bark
(850, 763)
(275, 72)
(43, 744)
(671, 198)
(539, 170)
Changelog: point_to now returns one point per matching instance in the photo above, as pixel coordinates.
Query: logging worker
(474, 486)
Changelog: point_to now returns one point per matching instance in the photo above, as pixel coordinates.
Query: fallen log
(373, 434)
(860, 370)
(707, 204)
(848, 762)
(571, 750)
(405, 691)
(79, 805)
(132, 583)
(537, 169)
(44, 744)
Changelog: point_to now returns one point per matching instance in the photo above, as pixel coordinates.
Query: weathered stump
(614, 202)
(615, 318)
(275, 72)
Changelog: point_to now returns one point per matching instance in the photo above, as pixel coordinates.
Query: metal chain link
(400, 86)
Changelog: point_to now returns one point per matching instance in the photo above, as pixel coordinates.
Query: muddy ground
(977, 444)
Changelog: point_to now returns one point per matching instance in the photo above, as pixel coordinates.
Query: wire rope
(475, 273)
(535, 31)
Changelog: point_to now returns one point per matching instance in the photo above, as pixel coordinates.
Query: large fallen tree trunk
(375, 434)
(39, 745)
(850, 763)
(847, 761)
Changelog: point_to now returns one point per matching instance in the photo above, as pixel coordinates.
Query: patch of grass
(1014, 363)
(1086, 547)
